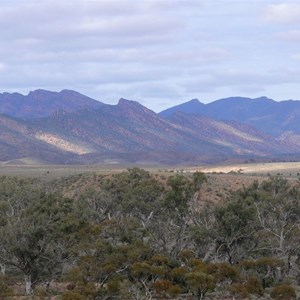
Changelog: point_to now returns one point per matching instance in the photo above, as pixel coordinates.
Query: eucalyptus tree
(35, 234)
(277, 206)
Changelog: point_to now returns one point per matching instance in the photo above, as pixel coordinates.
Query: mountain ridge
(42, 103)
(74, 128)
(265, 114)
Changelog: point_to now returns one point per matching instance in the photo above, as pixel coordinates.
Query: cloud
(240, 80)
(296, 56)
(2, 67)
(283, 12)
(292, 35)
(76, 20)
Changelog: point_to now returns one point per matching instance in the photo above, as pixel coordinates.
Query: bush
(253, 286)
(283, 292)
(200, 283)
(166, 288)
(5, 290)
(40, 292)
(71, 295)
(238, 291)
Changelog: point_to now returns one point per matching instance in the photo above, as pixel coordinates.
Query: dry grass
(283, 168)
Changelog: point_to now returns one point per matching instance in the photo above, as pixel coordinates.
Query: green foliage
(200, 283)
(265, 269)
(198, 179)
(235, 225)
(177, 198)
(178, 275)
(36, 233)
(130, 236)
(223, 272)
(134, 192)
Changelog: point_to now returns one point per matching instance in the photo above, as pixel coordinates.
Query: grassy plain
(277, 168)
(54, 171)
(286, 169)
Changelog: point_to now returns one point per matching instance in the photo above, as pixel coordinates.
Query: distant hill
(130, 130)
(191, 107)
(42, 103)
(124, 128)
(70, 128)
(265, 114)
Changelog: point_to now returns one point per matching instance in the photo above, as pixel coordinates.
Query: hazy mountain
(42, 103)
(130, 130)
(77, 129)
(265, 114)
(190, 107)
(127, 127)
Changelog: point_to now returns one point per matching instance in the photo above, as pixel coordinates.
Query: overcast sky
(158, 52)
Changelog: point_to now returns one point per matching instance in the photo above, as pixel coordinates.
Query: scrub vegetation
(138, 235)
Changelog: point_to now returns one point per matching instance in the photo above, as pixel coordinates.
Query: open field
(53, 171)
(282, 168)
(286, 169)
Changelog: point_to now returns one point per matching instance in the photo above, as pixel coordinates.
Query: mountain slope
(129, 129)
(265, 114)
(42, 103)
(242, 139)
(18, 141)
(123, 128)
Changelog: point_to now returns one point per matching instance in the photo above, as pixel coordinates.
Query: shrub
(226, 272)
(5, 290)
(253, 286)
(283, 292)
(40, 292)
(71, 295)
(166, 287)
(238, 291)
(200, 283)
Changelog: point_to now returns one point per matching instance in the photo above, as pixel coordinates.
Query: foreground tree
(278, 212)
(35, 240)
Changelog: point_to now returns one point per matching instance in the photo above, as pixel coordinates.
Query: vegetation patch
(138, 235)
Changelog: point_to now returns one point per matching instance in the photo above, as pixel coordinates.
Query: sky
(158, 52)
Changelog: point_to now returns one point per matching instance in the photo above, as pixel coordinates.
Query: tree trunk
(28, 285)
(2, 269)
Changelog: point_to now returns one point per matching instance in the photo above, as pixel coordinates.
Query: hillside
(17, 140)
(242, 139)
(130, 132)
(265, 114)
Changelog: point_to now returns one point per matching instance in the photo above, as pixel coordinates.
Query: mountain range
(70, 128)
(267, 115)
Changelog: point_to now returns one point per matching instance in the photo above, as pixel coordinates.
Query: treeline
(136, 236)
